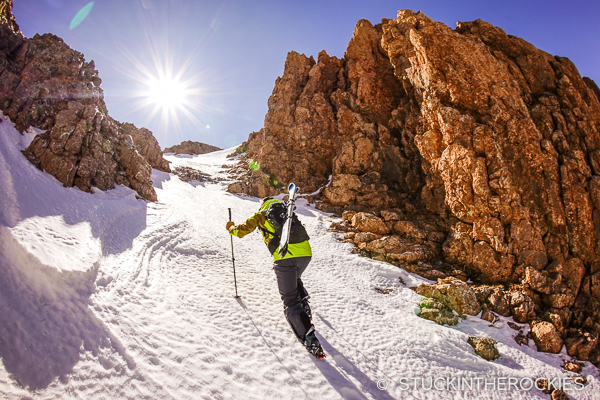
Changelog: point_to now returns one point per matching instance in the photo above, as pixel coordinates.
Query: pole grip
(229, 213)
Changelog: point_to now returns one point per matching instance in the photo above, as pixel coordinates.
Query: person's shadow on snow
(338, 381)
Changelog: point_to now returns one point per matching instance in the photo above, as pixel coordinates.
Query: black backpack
(276, 214)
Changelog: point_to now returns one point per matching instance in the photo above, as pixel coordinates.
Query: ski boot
(312, 344)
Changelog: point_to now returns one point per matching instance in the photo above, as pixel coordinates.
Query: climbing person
(269, 220)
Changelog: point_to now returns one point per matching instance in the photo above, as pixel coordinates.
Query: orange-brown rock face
(495, 141)
(46, 84)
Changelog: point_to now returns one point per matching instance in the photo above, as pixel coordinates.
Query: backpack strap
(267, 231)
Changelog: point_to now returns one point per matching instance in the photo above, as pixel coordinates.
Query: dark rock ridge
(189, 147)
(46, 84)
(468, 152)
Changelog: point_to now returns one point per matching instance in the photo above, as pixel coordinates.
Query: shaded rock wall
(471, 133)
(189, 147)
(46, 84)
(147, 145)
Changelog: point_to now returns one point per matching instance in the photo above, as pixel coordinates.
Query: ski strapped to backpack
(288, 228)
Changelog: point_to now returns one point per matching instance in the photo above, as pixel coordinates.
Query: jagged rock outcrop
(147, 145)
(7, 16)
(189, 147)
(46, 84)
(470, 133)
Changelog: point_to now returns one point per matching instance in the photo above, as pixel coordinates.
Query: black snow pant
(292, 291)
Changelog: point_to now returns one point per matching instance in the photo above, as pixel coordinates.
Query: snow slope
(106, 296)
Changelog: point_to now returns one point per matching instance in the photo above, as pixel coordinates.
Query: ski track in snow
(162, 320)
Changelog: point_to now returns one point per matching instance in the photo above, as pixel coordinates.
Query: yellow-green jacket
(259, 220)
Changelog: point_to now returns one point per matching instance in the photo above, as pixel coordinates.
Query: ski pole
(233, 260)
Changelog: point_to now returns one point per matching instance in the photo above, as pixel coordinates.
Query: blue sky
(230, 52)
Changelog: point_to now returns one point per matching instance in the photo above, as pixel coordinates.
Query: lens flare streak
(81, 15)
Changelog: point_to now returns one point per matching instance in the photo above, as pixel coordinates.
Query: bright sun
(166, 92)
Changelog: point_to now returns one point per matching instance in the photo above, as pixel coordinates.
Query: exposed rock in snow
(189, 147)
(581, 344)
(437, 312)
(485, 348)
(494, 298)
(187, 174)
(366, 222)
(559, 394)
(572, 366)
(546, 337)
(522, 306)
(454, 293)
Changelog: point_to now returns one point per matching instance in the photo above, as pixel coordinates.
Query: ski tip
(291, 187)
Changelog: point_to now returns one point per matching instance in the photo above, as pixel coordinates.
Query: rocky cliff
(189, 147)
(464, 152)
(46, 84)
(6, 15)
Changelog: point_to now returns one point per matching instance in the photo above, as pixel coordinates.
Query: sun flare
(166, 92)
